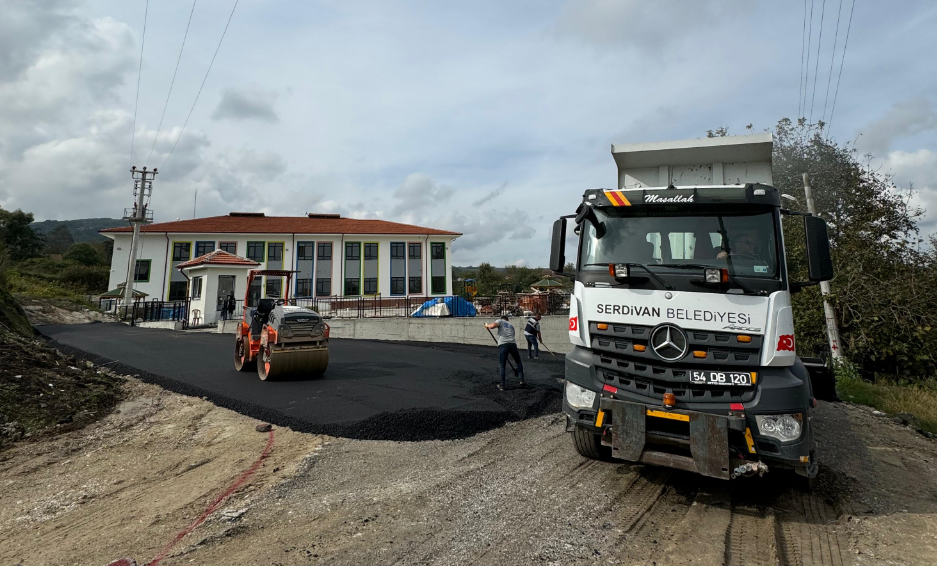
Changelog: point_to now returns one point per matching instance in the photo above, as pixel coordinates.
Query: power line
(184, 124)
(813, 95)
(829, 77)
(133, 134)
(807, 70)
(841, 61)
(171, 83)
(803, 43)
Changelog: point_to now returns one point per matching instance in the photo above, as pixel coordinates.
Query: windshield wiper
(666, 285)
(745, 288)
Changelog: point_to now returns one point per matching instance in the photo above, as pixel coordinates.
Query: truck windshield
(743, 242)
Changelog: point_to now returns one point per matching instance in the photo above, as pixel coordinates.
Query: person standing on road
(532, 334)
(507, 345)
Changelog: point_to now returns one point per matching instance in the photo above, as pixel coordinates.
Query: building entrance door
(225, 290)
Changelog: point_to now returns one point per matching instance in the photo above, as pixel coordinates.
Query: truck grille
(722, 348)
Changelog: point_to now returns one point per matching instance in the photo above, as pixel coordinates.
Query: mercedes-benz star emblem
(669, 342)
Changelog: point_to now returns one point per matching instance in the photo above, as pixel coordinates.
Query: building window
(253, 293)
(304, 287)
(351, 286)
(323, 287)
(141, 272)
(230, 247)
(202, 248)
(352, 251)
(396, 250)
(181, 251)
(397, 286)
(275, 252)
(304, 251)
(370, 251)
(416, 285)
(177, 290)
(370, 286)
(196, 287)
(255, 251)
(324, 250)
(415, 251)
(437, 255)
(274, 287)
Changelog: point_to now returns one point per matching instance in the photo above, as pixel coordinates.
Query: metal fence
(154, 311)
(376, 306)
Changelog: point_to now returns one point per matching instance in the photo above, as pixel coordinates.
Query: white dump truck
(684, 350)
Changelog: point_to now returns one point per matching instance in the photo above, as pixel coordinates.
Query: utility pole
(195, 204)
(139, 215)
(832, 326)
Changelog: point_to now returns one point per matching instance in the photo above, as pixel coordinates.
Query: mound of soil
(12, 316)
(43, 391)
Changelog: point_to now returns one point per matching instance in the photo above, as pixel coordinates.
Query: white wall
(157, 247)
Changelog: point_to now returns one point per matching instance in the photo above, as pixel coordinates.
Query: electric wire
(173, 82)
(813, 94)
(803, 44)
(184, 124)
(807, 72)
(133, 133)
(841, 61)
(829, 77)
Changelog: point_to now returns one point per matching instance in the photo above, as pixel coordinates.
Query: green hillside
(82, 230)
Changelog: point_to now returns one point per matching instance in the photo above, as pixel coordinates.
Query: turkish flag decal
(786, 342)
(574, 324)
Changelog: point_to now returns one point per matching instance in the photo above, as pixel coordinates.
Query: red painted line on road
(216, 503)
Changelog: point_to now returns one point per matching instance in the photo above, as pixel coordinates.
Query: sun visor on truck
(739, 194)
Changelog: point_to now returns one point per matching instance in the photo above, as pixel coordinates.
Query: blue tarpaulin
(446, 306)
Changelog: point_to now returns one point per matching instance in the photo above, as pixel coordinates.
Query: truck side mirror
(819, 262)
(558, 249)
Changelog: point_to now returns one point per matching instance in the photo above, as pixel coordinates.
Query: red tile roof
(238, 224)
(218, 257)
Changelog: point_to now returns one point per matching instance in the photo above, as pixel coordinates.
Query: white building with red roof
(332, 256)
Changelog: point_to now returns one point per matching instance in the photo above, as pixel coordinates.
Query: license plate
(728, 378)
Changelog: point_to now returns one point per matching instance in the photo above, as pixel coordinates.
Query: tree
(22, 242)
(83, 253)
(59, 240)
(489, 280)
(885, 288)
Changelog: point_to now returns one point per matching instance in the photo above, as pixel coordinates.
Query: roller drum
(275, 363)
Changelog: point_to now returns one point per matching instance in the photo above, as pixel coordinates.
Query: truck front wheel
(589, 444)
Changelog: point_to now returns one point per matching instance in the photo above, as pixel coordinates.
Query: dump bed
(729, 160)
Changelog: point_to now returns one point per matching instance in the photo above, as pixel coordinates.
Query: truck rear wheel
(589, 444)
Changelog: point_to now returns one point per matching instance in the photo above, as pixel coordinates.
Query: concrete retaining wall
(554, 329)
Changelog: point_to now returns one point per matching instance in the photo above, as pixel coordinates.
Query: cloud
(491, 196)
(246, 105)
(918, 169)
(647, 26)
(419, 191)
(904, 119)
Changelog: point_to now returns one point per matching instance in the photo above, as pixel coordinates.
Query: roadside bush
(92, 279)
(83, 253)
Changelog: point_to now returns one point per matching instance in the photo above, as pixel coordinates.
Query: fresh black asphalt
(372, 389)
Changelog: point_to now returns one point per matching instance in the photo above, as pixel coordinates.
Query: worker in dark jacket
(532, 334)
(507, 346)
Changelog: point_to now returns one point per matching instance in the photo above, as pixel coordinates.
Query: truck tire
(589, 444)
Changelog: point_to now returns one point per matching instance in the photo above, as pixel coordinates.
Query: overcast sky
(489, 118)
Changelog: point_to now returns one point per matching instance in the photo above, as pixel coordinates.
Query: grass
(29, 286)
(919, 399)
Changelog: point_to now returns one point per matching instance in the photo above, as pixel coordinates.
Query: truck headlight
(579, 397)
(783, 427)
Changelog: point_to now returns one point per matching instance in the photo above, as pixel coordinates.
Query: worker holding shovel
(507, 346)
(532, 334)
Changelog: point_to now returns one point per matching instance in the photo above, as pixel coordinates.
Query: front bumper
(708, 438)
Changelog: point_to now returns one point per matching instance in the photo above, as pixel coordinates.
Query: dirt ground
(515, 495)
(59, 311)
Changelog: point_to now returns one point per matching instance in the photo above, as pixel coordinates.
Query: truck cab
(684, 352)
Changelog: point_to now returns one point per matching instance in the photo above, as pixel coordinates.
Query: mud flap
(708, 442)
